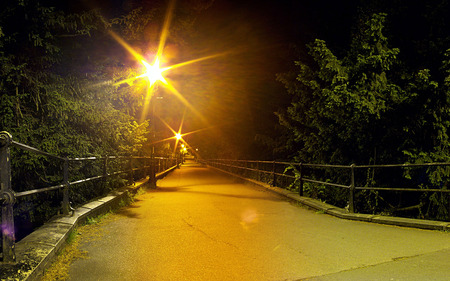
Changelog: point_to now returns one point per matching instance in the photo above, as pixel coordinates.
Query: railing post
(131, 171)
(152, 176)
(448, 206)
(351, 195)
(258, 172)
(300, 188)
(65, 202)
(105, 172)
(7, 199)
(274, 176)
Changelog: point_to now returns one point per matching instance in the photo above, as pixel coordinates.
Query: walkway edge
(36, 252)
(343, 213)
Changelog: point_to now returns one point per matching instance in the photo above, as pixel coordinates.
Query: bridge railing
(129, 166)
(348, 178)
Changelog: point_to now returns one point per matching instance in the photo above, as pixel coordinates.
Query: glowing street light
(154, 72)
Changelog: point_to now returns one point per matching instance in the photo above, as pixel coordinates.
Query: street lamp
(153, 74)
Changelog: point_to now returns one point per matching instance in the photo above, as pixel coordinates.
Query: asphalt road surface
(202, 225)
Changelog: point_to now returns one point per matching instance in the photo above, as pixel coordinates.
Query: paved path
(202, 225)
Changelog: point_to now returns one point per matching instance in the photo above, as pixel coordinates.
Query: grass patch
(90, 231)
(60, 268)
(97, 219)
(72, 236)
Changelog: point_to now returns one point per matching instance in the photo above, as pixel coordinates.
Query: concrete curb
(343, 213)
(36, 251)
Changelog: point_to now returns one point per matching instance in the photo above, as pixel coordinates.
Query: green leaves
(46, 101)
(367, 107)
(343, 107)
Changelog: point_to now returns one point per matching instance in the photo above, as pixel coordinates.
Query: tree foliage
(55, 95)
(43, 102)
(367, 107)
(343, 110)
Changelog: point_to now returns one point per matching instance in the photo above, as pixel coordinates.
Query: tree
(48, 103)
(342, 109)
(367, 107)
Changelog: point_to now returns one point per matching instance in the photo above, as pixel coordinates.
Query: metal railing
(148, 165)
(286, 174)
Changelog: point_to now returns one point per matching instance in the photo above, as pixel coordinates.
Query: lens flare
(154, 72)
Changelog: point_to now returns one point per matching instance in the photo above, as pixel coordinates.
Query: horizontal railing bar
(289, 176)
(35, 150)
(86, 158)
(326, 183)
(246, 168)
(254, 170)
(286, 163)
(36, 191)
(286, 176)
(321, 165)
(340, 166)
(112, 157)
(117, 173)
(403, 189)
(217, 162)
(403, 165)
(40, 190)
(86, 180)
(249, 161)
(56, 187)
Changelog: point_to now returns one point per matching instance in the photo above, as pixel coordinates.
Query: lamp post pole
(152, 176)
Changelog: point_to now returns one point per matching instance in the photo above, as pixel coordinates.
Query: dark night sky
(263, 31)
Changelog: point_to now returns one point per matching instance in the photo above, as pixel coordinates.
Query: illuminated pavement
(202, 225)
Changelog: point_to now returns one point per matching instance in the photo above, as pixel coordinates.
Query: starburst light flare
(154, 72)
